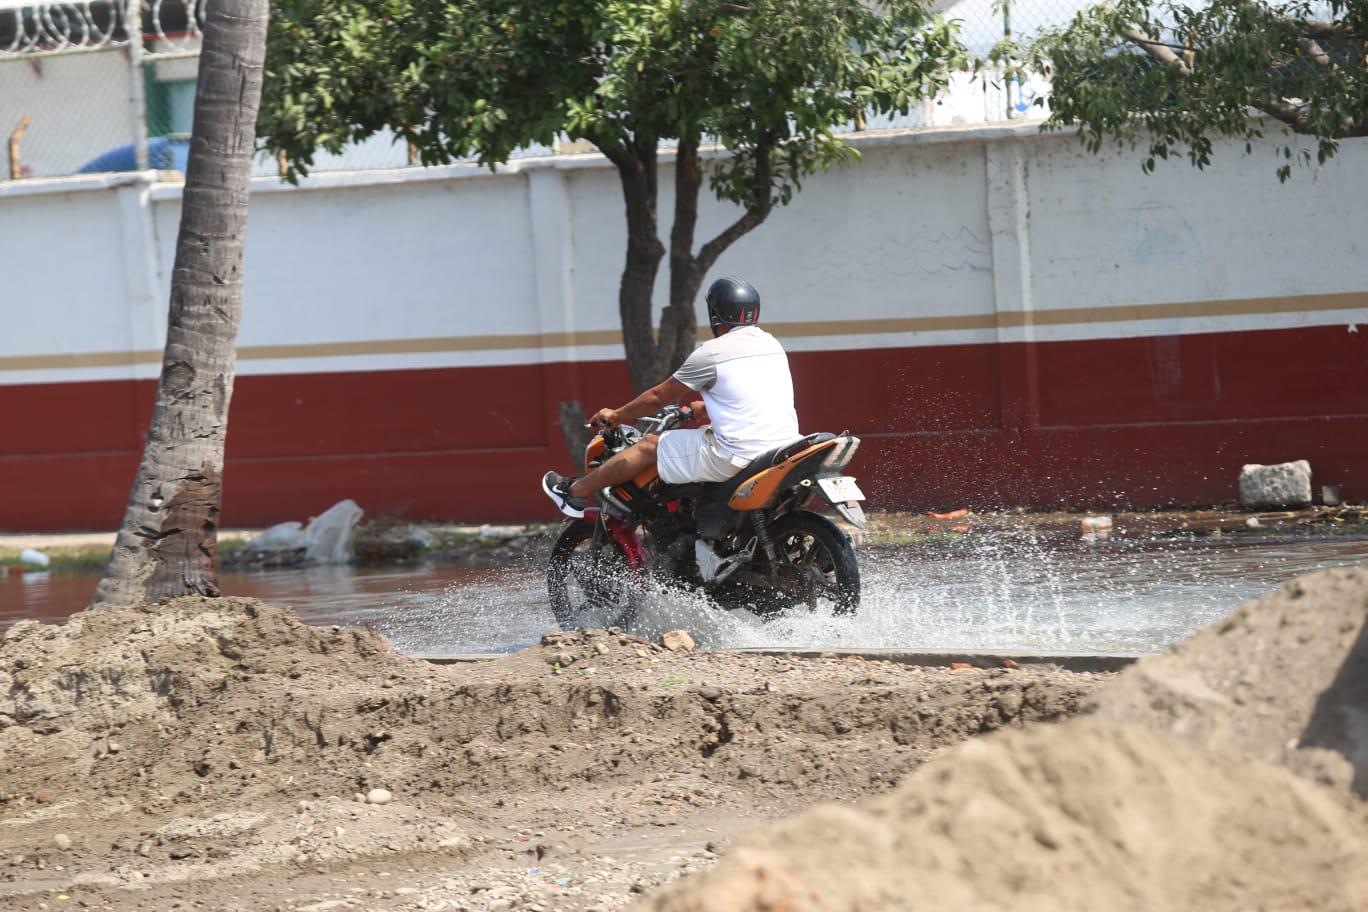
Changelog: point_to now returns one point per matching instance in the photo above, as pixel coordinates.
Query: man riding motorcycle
(743, 376)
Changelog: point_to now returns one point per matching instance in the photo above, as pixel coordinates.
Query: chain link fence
(109, 85)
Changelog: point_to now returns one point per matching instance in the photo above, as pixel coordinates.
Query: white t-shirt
(744, 378)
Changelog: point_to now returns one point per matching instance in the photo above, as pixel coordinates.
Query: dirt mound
(1116, 818)
(198, 694)
(210, 737)
(1283, 679)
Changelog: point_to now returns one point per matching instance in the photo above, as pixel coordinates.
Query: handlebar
(666, 419)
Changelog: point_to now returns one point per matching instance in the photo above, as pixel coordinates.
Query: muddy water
(994, 594)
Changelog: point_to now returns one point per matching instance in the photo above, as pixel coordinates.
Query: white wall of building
(934, 238)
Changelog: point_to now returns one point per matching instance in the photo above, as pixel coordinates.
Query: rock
(62, 841)
(601, 648)
(379, 796)
(1273, 487)
(1253, 522)
(114, 747)
(678, 641)
(1095, 527)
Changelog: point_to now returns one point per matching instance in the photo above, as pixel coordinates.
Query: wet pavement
(993, 593)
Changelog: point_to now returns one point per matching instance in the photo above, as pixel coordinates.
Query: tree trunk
(679, 322)
(577, 434)
(168, 543)
(644, 252)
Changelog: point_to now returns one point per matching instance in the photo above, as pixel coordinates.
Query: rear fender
(623, 537)
(761, 492)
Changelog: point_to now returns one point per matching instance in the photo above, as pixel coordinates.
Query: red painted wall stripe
(1146, 421)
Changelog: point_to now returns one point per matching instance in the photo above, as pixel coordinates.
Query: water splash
(989, 593)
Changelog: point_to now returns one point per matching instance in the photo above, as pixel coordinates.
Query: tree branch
(1156, 49)
(1319, 28)
(617, 152)
(1294, 115)
(754, 215)
(1317, 53)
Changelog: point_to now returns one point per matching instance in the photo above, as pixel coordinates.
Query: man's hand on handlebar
(605, 419)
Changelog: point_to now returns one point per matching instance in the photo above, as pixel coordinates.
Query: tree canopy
(1176, 75)
(771, 81)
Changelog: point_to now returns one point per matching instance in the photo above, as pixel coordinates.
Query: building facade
(1003, 317)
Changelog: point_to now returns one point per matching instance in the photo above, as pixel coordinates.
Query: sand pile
(1283, 679)
(1113, 811)
(1115, 818)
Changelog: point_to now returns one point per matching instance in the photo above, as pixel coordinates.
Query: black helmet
(732, 302)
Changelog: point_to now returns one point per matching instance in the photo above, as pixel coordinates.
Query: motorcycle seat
(723, 490)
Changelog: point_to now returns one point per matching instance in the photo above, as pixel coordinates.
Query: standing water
(993, 593)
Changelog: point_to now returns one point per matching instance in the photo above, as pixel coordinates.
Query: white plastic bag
(34, 557)
(330, 534)
(282, 537)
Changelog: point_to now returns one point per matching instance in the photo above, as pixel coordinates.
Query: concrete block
(1272, 487)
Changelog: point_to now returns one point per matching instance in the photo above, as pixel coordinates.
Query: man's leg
(625, 466)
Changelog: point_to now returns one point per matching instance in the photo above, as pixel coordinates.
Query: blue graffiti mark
(1163, 235)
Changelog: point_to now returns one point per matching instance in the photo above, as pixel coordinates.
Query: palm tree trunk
(168, 543)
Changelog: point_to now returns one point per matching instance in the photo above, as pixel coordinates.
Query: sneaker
(557, 487)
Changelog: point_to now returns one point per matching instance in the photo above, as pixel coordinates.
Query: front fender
(623, 537)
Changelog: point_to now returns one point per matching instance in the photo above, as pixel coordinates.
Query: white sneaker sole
(561, 504)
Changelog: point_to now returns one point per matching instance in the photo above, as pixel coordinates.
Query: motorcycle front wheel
(590, 585)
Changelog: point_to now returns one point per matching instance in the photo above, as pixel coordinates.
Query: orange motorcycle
(751, 541)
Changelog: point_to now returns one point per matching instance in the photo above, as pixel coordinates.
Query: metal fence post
(137, 89)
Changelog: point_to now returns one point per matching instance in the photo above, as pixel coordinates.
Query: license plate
(840, 490)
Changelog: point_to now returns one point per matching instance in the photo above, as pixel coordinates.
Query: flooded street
(993, 594)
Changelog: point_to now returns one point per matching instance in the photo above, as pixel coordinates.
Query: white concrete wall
(934, 238)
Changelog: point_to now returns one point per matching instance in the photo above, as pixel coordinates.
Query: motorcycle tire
(813, 534)
(614, 591)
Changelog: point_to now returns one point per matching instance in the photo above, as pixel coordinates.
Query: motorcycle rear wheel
(588, 585)
(817, 546)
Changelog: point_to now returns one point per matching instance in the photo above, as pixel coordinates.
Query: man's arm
(648, 403)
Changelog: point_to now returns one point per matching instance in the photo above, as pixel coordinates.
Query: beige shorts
(692, 454)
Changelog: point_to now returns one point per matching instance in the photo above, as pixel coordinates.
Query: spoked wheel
(822, 562)
(590, 585)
